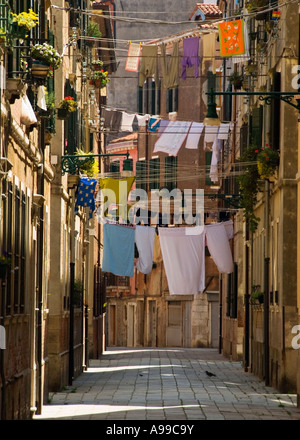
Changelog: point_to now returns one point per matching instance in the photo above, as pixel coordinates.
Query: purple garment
(190, 56)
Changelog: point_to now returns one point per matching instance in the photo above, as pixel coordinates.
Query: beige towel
(209, 50)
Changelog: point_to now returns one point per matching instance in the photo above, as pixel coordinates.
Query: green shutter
(140, 174)
(170, 172)
(256, 121)
(114, 167)
(154, 169)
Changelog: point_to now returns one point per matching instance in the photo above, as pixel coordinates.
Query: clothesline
(182, 250)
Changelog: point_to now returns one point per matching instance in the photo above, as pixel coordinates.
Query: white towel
(218, 246)
(211, 132)
(184, 259)
(194, 135)
(127, 121)
(172, 138)
(41, 98)
(144, 240)
(142, 120)
(223, 131)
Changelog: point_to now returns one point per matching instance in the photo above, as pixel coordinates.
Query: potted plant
(44, 57)
(236, 79)
(23, 23)
(99, 78)
(97, 64)
(257, 296)
(93, 31)
(5, 264)
(89, 166)
(66, 106)
(252, 69)
(267, 161)
(248, 186)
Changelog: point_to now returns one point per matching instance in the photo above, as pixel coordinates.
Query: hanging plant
(248, 183)
(97, 64)
(93, 32)
(23, 23)
(257, 296)
(99, 78)
(236, 79)
(45, 53)
(69, 104)
(267, 161)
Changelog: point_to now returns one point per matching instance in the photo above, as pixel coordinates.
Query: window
(114, 166)
(172, 100)
(232, 293)
(141, 174)
(256, 121)
(72, 130)
(154, 169)
(149, 98)
(170, 172)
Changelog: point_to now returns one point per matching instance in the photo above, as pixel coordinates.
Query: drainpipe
(41, 190)
(72, 282)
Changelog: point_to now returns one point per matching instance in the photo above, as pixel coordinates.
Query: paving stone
(168, 384)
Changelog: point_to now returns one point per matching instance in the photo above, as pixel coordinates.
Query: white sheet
(183, 252)
(144, 240)
(218, 245)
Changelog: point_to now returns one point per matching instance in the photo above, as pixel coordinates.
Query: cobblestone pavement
(168, 384)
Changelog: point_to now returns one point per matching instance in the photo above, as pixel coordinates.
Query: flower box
(40, 68)
(63, 113)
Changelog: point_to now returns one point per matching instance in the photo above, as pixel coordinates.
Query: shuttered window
(256, 123)
(140, 174)
(170, 172)
(154, 165)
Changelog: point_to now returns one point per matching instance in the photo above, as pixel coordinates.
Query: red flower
(256, 151)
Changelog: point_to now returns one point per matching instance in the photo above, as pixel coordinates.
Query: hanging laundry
(170, 66)
(218, 245)
(223, 132)
(133, 57)
(144, 239)
(148, 64)
(106, 114)
(172, 138)
(86, 194)
(246, 56)
(163, 125)
(127, 121)
(184, 259)
(194, 135)
(157, 256)
(231, 37)
(116, 120)
(209, 51)
(229, 228)
(190, 56)
(216, 150)
(118, 249)
(142, 119)
(153, 125)
(41, 98)
(117, 194)
(27, 116)
(211, 132)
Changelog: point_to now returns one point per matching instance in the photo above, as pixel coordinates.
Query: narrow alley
(168, 384)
